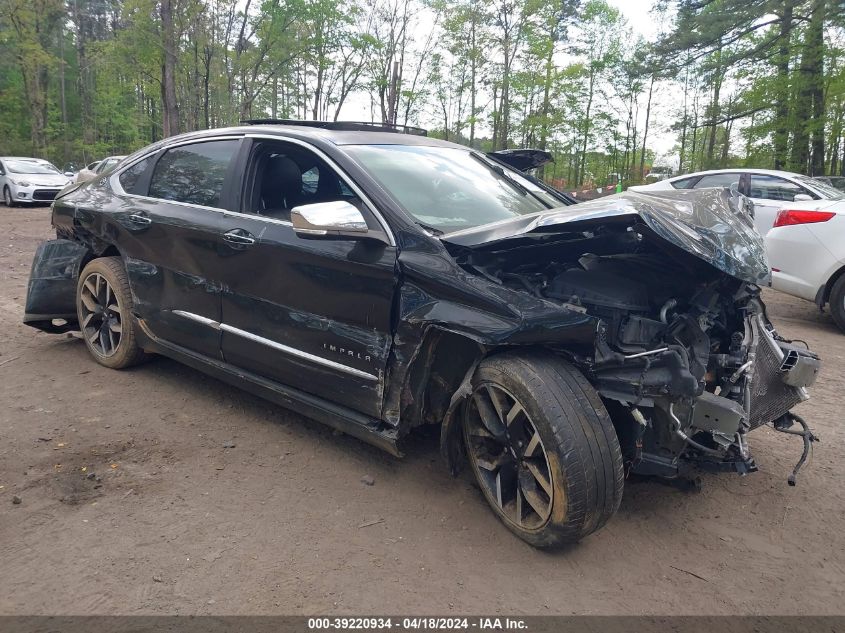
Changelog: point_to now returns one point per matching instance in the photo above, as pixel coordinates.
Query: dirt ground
(172, 521)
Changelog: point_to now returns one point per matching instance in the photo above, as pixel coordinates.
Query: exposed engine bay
(684, 355)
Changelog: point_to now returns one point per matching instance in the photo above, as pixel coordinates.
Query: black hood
(711, 224)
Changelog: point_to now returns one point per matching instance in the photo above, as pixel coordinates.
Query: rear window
(684, 183)
(718, 180)
(193, 174)
(130, 179)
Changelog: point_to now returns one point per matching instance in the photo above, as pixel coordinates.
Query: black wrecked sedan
(378, 281)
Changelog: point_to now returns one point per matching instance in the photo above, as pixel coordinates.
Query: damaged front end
(684, 356)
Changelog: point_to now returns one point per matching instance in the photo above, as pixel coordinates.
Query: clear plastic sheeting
(713, 224)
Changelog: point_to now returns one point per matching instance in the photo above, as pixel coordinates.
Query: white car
(87, 172)
(806, 251)
(100, 167)
(29, 180)
(768, 189)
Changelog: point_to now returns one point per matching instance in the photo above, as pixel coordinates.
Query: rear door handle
(239, 237)
(139, 219)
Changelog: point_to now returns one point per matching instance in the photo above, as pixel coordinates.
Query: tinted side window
(774, 188)
(284, 176)
(130, 178)
(718, 180)
(684, 183)
(193, 173)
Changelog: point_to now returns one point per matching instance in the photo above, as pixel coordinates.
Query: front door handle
(239, 237)
(141, 220)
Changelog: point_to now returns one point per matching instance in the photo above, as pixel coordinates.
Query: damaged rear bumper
(51, 292)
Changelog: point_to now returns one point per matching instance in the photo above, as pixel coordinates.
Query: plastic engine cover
(594, 288)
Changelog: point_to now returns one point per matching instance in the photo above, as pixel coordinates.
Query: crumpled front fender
(51, 292)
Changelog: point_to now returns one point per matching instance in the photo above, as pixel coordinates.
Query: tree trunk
(815, 48)
(169, 105)
(504, 102)
(473, 72)
(781, 135)
(714, 111)
(684, 123)
(645, 130)
(580, 175)
(85, 83)
(495, 117)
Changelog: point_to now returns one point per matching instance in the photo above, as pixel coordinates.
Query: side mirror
(332, 220)
(802, 197)
(69, 174)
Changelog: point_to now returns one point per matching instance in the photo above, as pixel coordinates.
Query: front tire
(104, 309)
(543, 448)
(7, 197)
(837, 302)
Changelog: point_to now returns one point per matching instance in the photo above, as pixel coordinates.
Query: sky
(643, 23)
(639, 17)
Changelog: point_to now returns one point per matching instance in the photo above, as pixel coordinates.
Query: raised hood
(523, 159)
(711, 224)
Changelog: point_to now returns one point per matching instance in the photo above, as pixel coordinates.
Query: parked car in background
(768, 189)
(86, 173)
(659, 173)
(29, 180)
(379, 281)
(837, 182)
(806, 250)
(99, 167)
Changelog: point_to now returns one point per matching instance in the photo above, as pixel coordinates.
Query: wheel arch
(435, 372)
(823, 296)
(51, 290)
(439, 379)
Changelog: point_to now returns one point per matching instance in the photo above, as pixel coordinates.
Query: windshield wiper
(498, 169)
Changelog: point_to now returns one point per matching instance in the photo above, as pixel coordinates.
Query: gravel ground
(160, 490)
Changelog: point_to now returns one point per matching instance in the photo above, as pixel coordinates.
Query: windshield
(450, 189)
(25, 167)
(827, 191)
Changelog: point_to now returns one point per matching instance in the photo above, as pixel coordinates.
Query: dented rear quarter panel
(51, 291)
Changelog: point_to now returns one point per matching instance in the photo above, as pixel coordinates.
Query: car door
(313, 314)
(769, 193)
(172, 210)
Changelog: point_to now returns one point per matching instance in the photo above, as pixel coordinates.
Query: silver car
(95, 169)
(87, 172)
(29, 181)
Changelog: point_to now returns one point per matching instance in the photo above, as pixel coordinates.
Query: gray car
(29, 181)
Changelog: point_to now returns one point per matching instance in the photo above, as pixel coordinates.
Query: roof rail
(346, 126)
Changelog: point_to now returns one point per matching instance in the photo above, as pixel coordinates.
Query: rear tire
(837, 302)
(104, 309)
(543, 448)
